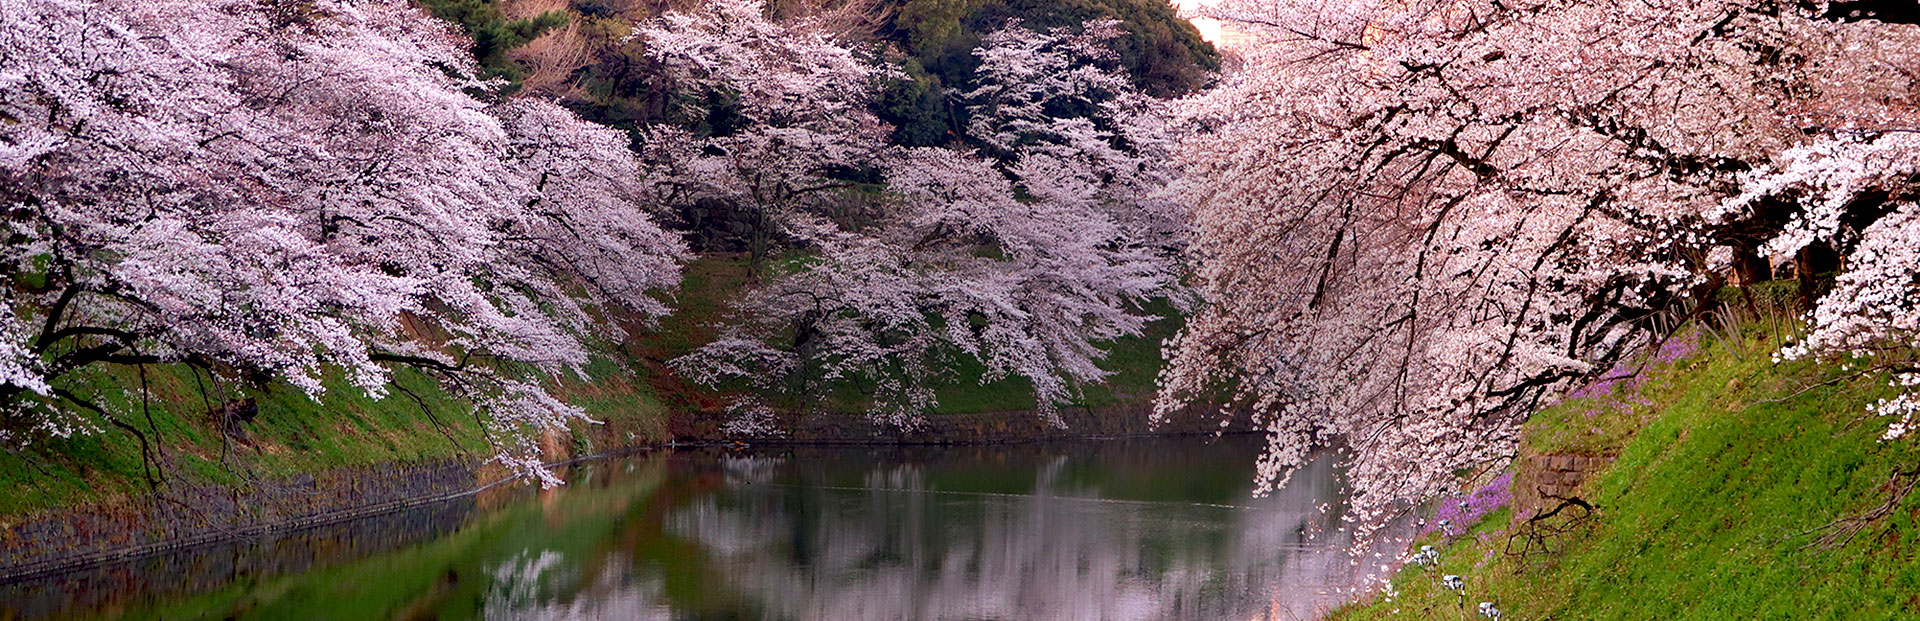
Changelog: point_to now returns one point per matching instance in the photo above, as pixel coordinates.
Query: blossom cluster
(1856, 192)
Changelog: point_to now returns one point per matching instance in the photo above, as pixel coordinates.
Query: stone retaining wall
(184, 516)
(207, 568)
(1539, 477)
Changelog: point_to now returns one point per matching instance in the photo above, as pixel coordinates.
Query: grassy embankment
(1733, 481)
(628, 388)
(291, 433)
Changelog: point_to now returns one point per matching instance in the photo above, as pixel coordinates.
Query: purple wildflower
(1624, 378)
(1462, 512)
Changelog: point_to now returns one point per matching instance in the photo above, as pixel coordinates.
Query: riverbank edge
(76, 538)
(1123, 420)
(1715, 480)
(206, 533)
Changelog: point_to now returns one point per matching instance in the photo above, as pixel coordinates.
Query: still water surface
(1123, 529)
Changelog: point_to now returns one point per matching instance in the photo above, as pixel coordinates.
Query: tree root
(1838, 533)
(1537, 533)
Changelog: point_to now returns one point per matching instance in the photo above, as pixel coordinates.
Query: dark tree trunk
(1889, 11)
(1749, 267)
(1814, 260)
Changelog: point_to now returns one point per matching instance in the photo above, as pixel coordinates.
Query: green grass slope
(1732, 475)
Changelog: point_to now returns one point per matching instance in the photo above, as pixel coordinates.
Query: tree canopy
(1416, 222)
(290, 191)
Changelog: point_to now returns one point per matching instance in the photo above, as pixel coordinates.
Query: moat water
(1120, 529)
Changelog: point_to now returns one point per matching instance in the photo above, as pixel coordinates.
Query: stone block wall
(185, 516)
(1539, 477)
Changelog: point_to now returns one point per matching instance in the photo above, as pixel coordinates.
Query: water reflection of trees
(200, 569)
(897, 545)
(1159, 529)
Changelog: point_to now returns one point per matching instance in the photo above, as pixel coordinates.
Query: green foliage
(624, 88)
(916, 109)
(598, 9)
(936, 26)
(494, 35)
(1163, 53)
(1731, 470)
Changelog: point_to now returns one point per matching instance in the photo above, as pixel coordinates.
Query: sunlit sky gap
(1210, 29)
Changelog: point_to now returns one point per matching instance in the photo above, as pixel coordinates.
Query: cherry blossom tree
(1416, 220)
(1858, 190)
(1051, 105)
(905, 260)
(1853, 189)
(791, 103)
(295, 190)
